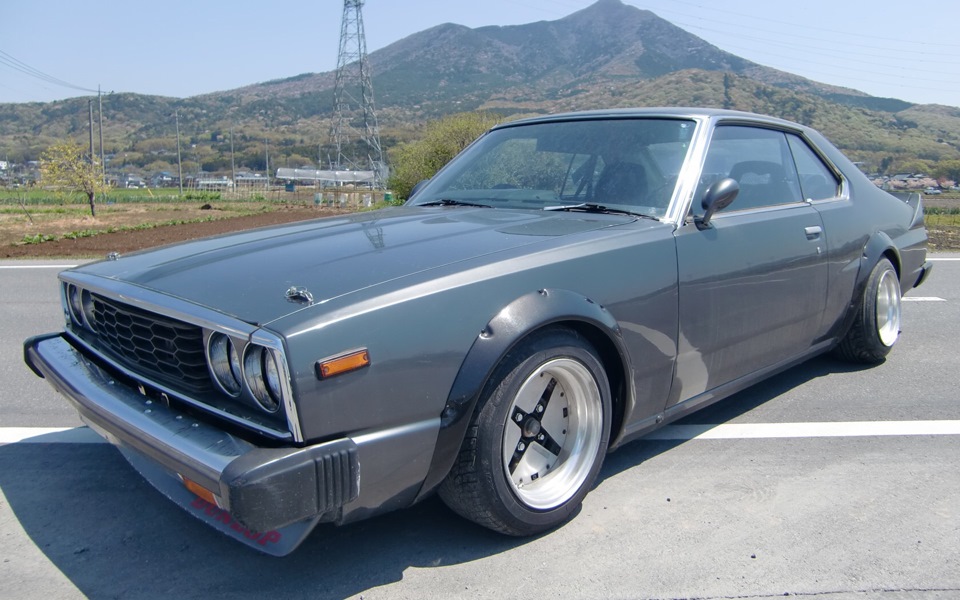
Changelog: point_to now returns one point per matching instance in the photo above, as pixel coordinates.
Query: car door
(752, 285)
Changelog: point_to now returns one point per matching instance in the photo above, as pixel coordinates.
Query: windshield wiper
(451, 202)
(593, 207)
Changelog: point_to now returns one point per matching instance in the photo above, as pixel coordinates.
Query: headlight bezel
(73, 297)
(258, 368)
(223, 362)
(78, 306)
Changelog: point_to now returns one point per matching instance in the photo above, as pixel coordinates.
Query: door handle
(813, 232)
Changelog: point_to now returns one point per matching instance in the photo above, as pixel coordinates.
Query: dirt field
(99, 245)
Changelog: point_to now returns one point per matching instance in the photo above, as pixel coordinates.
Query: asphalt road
(867, 508)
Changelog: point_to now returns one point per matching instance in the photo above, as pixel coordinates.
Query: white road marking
(944, 259)
(37, 266)
(922, 299)
(49, 435)
(726, 431)
(742, 431)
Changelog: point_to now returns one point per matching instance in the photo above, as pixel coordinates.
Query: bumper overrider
(267, 498)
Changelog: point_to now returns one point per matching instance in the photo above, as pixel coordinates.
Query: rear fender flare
(878, 246)
(525, 315)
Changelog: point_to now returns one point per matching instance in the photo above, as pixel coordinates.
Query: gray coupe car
(564, 286)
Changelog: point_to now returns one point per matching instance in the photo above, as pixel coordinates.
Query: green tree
(914, 166)
(64, 166)
(948, 169)
(442, 140)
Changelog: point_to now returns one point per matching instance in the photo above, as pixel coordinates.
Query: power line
(846, 45)
(903, 66)
(846, 34)
(941, 84)
(18, 65)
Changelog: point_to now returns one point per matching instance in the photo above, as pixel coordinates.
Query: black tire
(876, 327)
(537, 439)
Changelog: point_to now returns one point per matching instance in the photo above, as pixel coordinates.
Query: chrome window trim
(760, 209)
(836, 199)
(689, 174)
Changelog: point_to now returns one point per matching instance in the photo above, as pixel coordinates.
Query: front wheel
(537, 440)
(876, 327)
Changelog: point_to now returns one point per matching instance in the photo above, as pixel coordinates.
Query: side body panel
(752, 292)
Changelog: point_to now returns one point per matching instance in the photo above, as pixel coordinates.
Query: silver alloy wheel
(553, 433)
(888, 308)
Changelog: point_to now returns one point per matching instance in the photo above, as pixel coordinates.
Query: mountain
(607, 41)
(608, 54)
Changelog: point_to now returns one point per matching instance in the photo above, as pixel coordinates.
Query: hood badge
(299, 294)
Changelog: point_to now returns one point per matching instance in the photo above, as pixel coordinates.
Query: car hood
(247, 274)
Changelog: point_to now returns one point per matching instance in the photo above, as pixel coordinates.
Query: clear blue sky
(907, 50)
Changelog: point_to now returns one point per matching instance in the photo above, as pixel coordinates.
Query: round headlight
(75, 303)
(225, 363)
(271, 373)
(263, 377)
(89, 313)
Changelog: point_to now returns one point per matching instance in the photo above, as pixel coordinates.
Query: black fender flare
(878, 246)
(523, 316)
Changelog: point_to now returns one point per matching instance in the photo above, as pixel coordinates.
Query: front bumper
(258, 491)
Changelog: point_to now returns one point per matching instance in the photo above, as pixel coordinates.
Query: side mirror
(417, 188)
(717, 197)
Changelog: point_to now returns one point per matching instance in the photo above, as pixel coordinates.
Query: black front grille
(157, 347)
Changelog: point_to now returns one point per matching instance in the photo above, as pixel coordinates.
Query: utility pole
(233, 164)
(176, 115)
(103, 164)
(353, 92)
(90, 106)
(93, 210)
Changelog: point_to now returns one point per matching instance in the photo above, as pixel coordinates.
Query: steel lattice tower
(353, 96)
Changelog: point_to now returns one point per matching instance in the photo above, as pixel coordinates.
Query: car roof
(672, 112)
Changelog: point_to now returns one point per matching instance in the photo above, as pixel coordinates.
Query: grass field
(36, 216)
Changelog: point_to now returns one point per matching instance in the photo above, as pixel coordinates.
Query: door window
(758, 159)
(817, 181)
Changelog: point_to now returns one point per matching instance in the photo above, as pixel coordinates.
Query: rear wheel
(876, 327)
(537, 440)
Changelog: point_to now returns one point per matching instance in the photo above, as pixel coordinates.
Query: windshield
(623, 164)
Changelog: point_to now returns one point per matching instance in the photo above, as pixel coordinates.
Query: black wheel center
(531, 428)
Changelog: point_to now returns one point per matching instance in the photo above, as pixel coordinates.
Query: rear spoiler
(915, 201)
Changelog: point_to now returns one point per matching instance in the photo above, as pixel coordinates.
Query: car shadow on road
(112, 535)
(726, 410)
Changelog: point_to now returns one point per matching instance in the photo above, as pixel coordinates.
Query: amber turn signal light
(200, 491)
(343, 363)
